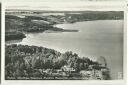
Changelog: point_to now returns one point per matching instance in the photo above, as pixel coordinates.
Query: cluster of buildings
(71, 73)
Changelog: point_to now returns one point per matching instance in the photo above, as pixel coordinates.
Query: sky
(65, 6)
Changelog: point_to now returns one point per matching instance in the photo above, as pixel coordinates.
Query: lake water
(94, 39)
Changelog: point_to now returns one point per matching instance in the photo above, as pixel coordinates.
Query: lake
(94, 39)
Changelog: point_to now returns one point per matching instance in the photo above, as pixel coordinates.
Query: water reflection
(13, 41)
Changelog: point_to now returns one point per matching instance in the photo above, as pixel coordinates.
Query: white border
(62, 82)
(2, 42)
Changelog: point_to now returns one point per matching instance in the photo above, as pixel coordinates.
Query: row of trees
(94, 15)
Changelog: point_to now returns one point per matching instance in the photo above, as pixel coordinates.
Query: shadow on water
(13, 41)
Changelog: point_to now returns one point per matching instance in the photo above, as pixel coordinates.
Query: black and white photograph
(63, 42)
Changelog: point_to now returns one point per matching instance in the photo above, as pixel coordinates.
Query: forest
(23, 61)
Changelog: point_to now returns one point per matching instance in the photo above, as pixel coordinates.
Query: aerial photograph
(47, 43)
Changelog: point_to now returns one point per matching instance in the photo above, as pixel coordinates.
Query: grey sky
(64, 6)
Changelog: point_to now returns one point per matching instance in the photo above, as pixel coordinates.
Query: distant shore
(20, 35)
(51, 31)
(33, 23)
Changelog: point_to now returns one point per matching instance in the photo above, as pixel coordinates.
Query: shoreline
(46, 31)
